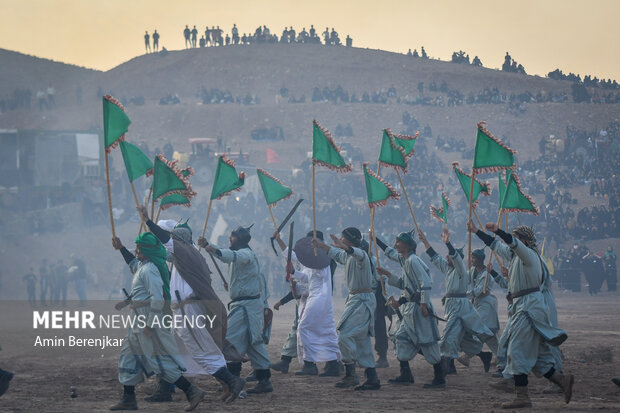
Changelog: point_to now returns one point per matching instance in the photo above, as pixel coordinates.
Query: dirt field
(43, 379)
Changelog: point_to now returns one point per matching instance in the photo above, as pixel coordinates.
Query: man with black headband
(531, 333)
(152, 349)
(484, 302)
(246, 308)
(356, 325)
(418, 330)
(464, 330)
(203, 348)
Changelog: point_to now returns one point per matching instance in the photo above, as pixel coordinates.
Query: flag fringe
(118, 103)
(536, 211)
(171, 204)
(486, 185)
(482, 127)
(268, 175)
(445, 196)
(188, 192)
(240, 176)
(390, 165)
(330, 139)
(406, 156)
(435, 213)
(390, 188)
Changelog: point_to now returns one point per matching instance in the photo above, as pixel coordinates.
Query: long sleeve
(424, 281)
(484, 237)
(501, 249)
(392, 254)
(458, 264)
(381, 244)
(159, 232)
(228, 256)
(338, 255)
(500, 279)
(288, 297)
(396, 281)
(128, 256)
(439, 262)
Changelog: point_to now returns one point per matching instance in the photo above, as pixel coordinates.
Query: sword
(181, 306)
(217, 267)
(284, 222)
(288, 259)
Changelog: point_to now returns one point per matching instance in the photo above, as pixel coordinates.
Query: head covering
(526, 234)
(353, 235)
(479, 253)
(243, 237)
(319, 235)
(183, 232)
(153, 249)
(407, 239)
(364, 245)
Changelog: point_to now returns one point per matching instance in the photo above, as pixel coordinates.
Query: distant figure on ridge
(147, 42)
(194, 36)
(155, 41)
(186, 34)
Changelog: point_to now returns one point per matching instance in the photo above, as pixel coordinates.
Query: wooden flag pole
(486, 278)
(158, 212)
(135, 198)
(148, 198)
(314, 209)
(471, 193)
(374, 240)
(204, 227)
(107, 177)
(493, 254)
(275, 225)
(409, 203)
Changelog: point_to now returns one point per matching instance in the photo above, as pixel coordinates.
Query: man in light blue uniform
(418, 330)
(152, 349)
(464, 329)
(356, 325)
(530, 333)
(246, 308)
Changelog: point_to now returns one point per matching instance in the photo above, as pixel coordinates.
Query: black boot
(349, 379)
(264, 385)
(448, 365)
(194, 397)
(282, 365)
(372, 381)
(128, 402)
(309, 369)
(235, 368)
(486, 357)
(439, 380)
(251, 376)
(332, 369)
(405, 375)
(162, 393)
(382, 362)
(616, 381)
(235, 384)
(5, 379)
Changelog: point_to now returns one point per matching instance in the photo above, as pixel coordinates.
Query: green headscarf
(153, 249)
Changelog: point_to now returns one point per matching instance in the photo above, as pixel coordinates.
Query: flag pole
(158, 212)
(374, 240)
(107, 177)
(486, 278)
(204, 227)
(146, 202)
(471, 193)
(408, 202)
(275, 225)
(135, 198)
(314, 209)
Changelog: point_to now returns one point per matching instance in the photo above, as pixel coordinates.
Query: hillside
(262, 70)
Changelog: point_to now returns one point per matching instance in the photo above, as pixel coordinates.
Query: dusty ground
(43, 379)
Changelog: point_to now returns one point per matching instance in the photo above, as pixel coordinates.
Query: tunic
(530, 333)
(356, 325)
(140, 354)
(464, 329)
(485, 304)
(415, 331)
(246, 316)
(317, 340)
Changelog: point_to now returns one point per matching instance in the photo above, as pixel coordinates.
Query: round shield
(305, 254)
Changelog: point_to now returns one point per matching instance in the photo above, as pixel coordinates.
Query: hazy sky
(573, 35)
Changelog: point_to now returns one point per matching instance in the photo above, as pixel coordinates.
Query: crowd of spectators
(587, 81)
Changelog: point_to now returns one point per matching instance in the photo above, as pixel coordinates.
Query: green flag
(168, 179)
(324, 150)
(441, 213)
(515, 200)
(502, 180)
(226, 179)
(174, 199)
(115, 122)
(273, 189)
(465, 181)
(136, 162)
(490, 154)
(377, 189)
(396, 149)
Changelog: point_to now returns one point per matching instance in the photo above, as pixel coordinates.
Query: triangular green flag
(515, 200)
(273, 189)
(136, 162)
(465, 181)
(441, 213)
(168, 179)
(396, 149)
(115, 122)
(490, 154)
(174, 199)
(502, 183)
(226, 179)
(377, 189)
(324, 150)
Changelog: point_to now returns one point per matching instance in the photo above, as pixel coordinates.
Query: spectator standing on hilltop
(235, 34)
(147, 42)
(31, 280)
(201, 42)
(350, 43)
(326, 35)
(312, 31)
(194, 36)
(186, 33)
(155, 41)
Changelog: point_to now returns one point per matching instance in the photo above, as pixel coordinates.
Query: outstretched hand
(116, 243)
(489, 267)
(144, 214)
(445, 235)
(383, 271)
(202, 242)
(491, 226)
(336, 242)
(471, 227)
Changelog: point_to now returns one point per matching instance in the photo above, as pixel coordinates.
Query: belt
(365, 290)
(455, 295)
(246, 297)
(525, 292)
